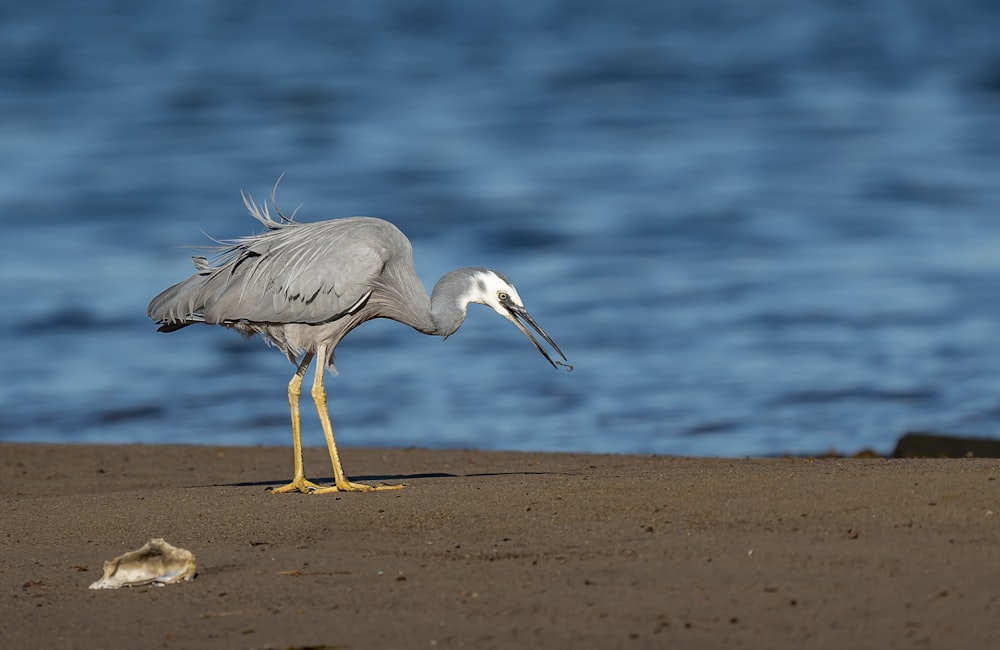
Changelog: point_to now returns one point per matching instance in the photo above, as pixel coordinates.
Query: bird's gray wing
(300, 273)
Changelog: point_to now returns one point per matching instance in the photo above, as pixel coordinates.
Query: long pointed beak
(516, 314)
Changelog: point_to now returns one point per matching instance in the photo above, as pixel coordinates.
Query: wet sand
(502, 550)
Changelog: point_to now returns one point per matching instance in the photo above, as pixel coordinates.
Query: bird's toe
(297, 485)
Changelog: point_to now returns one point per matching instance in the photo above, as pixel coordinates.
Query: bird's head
(493, 289)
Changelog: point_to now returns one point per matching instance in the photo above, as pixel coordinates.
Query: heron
(303, 286)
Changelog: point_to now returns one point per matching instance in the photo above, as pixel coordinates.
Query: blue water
(753, 228)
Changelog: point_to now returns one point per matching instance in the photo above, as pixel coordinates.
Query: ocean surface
(754, 228)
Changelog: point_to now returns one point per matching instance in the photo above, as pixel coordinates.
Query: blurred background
(754, 228)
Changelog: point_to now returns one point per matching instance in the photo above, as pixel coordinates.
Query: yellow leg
(299, 482)
(319, 399)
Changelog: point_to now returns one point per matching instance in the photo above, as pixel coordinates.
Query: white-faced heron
(304, 286)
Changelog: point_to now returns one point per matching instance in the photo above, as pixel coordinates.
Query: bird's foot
(300, 484)
(348, 486)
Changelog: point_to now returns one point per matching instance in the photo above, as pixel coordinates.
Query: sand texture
(502, 550)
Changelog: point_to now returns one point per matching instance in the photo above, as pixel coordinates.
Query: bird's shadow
(390, 478)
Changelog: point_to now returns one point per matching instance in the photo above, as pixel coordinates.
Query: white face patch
(486, 289)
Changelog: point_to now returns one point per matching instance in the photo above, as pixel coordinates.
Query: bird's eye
(502, 296)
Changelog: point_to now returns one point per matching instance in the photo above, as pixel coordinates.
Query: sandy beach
(502, 550)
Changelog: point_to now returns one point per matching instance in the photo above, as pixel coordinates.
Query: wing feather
(294, 273)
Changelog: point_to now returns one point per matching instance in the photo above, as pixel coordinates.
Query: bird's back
(306, 273)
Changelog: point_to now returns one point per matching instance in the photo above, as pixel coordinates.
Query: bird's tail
(178, 306)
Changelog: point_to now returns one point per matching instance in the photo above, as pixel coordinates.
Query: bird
(303, 286)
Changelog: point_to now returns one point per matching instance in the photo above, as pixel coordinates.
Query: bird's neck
(450, 299)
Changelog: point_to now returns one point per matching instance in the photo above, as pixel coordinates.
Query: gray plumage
(304, 286)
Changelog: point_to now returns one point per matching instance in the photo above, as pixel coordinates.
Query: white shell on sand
(156, 563)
